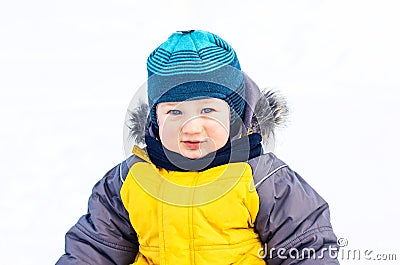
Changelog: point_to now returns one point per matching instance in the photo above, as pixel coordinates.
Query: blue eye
(207, 110)
(175, 112)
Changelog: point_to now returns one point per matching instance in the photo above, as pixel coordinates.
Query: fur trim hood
(265, 110)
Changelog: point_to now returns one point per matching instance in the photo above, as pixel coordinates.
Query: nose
(192, 126)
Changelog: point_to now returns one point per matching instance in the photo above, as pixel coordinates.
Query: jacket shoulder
(123, 168)
(104, 235)
(292, 215)
(264, 166)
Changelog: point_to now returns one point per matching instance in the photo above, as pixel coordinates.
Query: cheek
(168, 134)
(222, 136)
(219, 133)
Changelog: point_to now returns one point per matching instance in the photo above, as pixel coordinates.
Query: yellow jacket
(193, 217)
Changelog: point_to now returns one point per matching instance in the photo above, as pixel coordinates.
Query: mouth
(192, 144)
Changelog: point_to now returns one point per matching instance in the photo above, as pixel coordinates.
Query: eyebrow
(209, 100)
(174, 104)
(168, 104)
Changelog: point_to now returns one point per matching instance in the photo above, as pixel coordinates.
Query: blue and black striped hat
(191, 65)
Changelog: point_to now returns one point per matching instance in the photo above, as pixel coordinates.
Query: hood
(265, 110)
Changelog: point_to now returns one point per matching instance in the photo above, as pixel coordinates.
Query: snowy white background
(68, 70)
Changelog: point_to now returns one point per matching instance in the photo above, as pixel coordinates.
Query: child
(202, 191)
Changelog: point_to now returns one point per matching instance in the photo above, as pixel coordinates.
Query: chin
(196, 154)
(193, 156)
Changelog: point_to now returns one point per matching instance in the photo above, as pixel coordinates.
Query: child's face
(194, 128)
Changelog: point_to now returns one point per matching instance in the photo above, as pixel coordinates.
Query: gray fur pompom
(137, 122)
(270, 112)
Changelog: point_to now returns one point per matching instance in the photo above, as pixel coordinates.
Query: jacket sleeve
(293, 220)
(104, 235)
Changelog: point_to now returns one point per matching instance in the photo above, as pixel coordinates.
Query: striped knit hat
(192, 65)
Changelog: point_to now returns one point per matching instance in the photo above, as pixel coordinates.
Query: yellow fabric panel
(193, 217)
